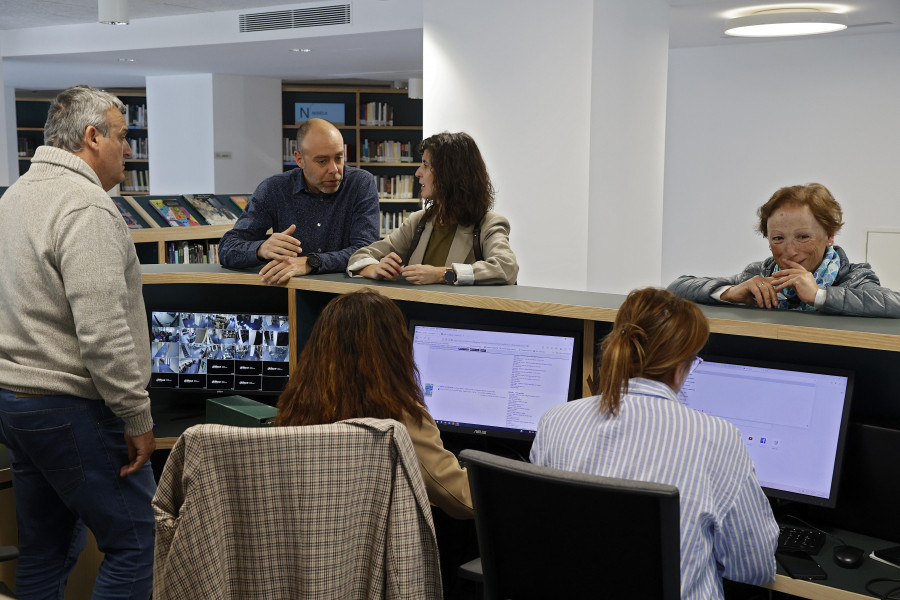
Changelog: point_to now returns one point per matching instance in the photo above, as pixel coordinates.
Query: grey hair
(73, 111)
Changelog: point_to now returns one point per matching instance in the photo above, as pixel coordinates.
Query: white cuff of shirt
(819, 302)
(465, 274)
(360, 265)
(717, 294)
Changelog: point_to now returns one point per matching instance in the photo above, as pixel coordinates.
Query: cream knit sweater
(72, 317)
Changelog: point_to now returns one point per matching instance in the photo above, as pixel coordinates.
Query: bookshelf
(31, 114)
(404, 131)
(156, 241)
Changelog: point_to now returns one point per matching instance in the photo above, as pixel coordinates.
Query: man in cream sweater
(75, 357)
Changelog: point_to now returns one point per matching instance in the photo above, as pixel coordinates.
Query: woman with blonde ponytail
(636, 428)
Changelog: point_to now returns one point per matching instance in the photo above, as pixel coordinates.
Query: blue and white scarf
(825, 275)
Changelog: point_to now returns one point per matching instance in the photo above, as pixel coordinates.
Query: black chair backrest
(546, 533)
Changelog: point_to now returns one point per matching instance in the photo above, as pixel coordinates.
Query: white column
(247, 131)
(180, 134)
(628, 121)
(192, 119)
(516, 75)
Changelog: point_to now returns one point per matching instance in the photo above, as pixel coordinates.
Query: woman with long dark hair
(637, 429)
(358, 362)
(457, 239)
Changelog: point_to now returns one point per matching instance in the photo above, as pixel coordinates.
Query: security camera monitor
(224, 352)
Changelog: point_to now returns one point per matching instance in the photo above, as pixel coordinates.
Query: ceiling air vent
(320, 16)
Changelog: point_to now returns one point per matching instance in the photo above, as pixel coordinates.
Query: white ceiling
(20, 14)
(355, 58)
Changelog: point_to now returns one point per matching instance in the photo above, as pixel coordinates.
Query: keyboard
(799, 539)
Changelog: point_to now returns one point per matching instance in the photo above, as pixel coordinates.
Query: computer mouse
(849, 557)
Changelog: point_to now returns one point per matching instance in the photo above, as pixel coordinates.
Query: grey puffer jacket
(856, 291)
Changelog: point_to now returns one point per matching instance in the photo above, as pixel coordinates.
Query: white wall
(191, 117)
(247, 125)
(516, 75)
(748, 119)
(627, 125)
(180, 134)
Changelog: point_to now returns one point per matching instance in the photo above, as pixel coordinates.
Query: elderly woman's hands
(757, 291)
(803, 282)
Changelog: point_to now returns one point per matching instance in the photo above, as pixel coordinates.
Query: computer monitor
(793, 420)
(223, 352)
(494, 381)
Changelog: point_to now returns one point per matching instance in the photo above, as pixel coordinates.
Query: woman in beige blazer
(456, 239)
(358, 362)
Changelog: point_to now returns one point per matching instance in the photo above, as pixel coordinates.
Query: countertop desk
(868, 346)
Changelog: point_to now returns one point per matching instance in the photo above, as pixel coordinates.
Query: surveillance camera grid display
(219, 351)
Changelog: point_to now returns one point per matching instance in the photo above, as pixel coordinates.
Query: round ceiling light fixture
(782, 22)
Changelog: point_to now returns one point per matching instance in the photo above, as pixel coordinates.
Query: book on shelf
(376, 113)
(240, 201)
(122, 205)
(26, 147)
(211, 209)
(174, 214)
(192, 252)
(391, 220)
(136, 116)
(398, 187)
(288, 147)
(389, 152)
(139, 148)
(135, 181)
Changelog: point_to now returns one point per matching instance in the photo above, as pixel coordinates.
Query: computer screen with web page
(792, 419)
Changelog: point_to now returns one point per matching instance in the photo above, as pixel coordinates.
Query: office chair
(546, 533)
(325, 511)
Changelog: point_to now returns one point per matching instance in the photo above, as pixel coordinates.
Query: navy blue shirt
(331, 226)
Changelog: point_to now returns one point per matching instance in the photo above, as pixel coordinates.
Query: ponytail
(623, 358)
(654, 332)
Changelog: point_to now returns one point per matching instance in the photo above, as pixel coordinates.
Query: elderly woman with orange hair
(806, 270)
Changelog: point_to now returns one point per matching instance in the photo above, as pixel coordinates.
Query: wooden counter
(855, 332)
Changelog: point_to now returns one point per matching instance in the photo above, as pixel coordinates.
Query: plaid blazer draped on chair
(325, 511)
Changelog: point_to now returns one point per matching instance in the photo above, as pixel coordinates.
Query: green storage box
(239, 411)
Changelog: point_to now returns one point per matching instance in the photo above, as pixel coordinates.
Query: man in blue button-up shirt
(321, 213)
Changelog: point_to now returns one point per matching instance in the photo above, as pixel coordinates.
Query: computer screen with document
(793, 420)
(494, 381)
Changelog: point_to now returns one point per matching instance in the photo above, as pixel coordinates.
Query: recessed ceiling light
(300, 50)
(126, 60)
(786, 21)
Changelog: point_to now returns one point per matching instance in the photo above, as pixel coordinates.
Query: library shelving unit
(153, 240)
(406, 129)
(31, 114)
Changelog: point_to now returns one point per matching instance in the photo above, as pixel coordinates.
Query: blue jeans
(66, 453)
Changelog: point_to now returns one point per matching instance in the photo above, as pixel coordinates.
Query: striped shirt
(727, 527)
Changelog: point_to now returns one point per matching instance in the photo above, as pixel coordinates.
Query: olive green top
(439, 245)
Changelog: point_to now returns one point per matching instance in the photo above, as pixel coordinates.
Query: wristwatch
(450, 276)
(314, 262)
